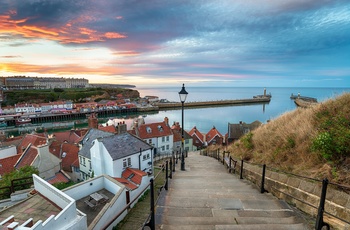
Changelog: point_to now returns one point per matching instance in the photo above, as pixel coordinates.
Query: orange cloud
(68, 33)
(126, 53)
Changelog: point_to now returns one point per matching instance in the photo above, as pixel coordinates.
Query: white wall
(8, 151)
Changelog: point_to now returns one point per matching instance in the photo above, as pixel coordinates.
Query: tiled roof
(68, 136)
(134, 175)
(67, 152)
(110, 128)
(27, 157)
(194, 132)
(32, 139)
(123, 145)
(89, 137)
(58, 178)
(159, 129)
(12, 141)
(69, 156)
(238, 130)
(8, 163)
(128, 184)
(212, 134)
(177, 135)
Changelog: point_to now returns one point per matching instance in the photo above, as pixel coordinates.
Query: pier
(214, 103)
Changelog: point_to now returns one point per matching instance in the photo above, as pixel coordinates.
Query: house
(235, 131)
(50, 208)
(84, 153)
(188, 141)
(214, 137)
(112, 155)
(198, 138)
(158, 135)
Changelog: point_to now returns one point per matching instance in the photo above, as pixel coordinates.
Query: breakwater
(213, 103)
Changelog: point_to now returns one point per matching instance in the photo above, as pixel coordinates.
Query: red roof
(58, 178)
(67, 152)
(128, 184)
(32, 139)
(8, 164)
(134, 175)
(212, 134)
(27, 157)
(67, 136)
(194, 132)
(152, 130)
(110, 129)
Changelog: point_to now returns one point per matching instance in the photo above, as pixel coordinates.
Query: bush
(247, 141)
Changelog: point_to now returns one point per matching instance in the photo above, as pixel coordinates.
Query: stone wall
(302, 193)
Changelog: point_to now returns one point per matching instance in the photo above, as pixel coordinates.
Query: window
(90, 164)
(150, 141)
(144, 157)
(163, 148)
(129, 161)
(84, 161)
(124, 163)
(167, 147)
(187, 141)
(163, 139)
(167, 138)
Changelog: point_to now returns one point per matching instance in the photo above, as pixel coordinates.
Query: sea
(206, 118)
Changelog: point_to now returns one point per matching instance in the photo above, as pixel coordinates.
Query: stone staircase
(206, 196)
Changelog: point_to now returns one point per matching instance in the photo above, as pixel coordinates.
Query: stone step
(233, 227)
(227, 220)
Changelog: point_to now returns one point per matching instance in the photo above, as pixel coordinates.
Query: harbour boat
(21, 121)
(3, 124)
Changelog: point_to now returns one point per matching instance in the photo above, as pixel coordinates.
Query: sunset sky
(198, 42)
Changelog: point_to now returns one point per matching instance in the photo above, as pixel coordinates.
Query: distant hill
(112, 86)
(311, 141)
(76, 95)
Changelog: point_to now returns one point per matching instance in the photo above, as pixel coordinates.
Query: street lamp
(183, 95)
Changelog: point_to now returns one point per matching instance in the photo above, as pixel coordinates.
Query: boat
(21, 121)
(3, 124)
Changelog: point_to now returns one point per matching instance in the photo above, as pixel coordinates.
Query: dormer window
(160, 128)
(148, 129)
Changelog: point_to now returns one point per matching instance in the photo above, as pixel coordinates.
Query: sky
(258, 43)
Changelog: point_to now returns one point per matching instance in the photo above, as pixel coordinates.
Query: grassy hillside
(76, 95)
(307, 141)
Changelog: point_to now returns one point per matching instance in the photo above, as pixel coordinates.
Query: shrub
(247, 141)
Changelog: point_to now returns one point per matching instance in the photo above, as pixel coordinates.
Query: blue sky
(267, 43)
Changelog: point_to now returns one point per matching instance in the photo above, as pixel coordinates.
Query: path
(205, 196)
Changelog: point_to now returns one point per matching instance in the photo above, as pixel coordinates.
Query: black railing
(150, 222)
(16, 185)
(320, 209)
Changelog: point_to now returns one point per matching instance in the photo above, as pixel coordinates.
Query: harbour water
(205, 118)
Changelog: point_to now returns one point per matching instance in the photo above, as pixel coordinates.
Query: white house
(159, 135)
(24, 108)
(84, 154)
(113, 154)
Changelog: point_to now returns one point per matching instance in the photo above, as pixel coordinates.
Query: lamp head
(183, 94)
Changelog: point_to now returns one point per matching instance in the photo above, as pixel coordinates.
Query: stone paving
(206, 196)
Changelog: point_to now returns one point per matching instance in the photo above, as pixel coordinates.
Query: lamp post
(183, 95)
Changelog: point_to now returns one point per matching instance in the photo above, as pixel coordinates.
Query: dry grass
(285, 143)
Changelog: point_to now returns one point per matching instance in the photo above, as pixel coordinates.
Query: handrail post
(223, 157)
(230, 169)
(166, 175)
(171, 168)
(241, 176)
(218, 154)
(319, 220)
(262, 189)
(174, 163)
(152, 221)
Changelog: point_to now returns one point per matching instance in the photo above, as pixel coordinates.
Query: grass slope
(311, 141)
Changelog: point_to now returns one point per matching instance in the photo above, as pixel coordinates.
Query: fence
(302, 191)
(152, 186)
(16, 185)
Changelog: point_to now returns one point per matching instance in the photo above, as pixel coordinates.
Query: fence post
(166, 175)
(319, 219)
(241, 176)
(218, 154)
(152, 221)
(223, 157)
(262, 189)
(174, 163)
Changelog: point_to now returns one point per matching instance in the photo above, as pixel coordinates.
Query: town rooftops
(89, 137)
(195, 132)
(159, 129)
(123, 145)
(8, 163)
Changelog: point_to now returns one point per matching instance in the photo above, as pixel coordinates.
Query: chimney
(121, 128)
(166, 120)
(92, 121)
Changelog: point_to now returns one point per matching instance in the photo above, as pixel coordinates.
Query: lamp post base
(182, 162)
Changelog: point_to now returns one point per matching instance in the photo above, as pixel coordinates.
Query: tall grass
(295, 141)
